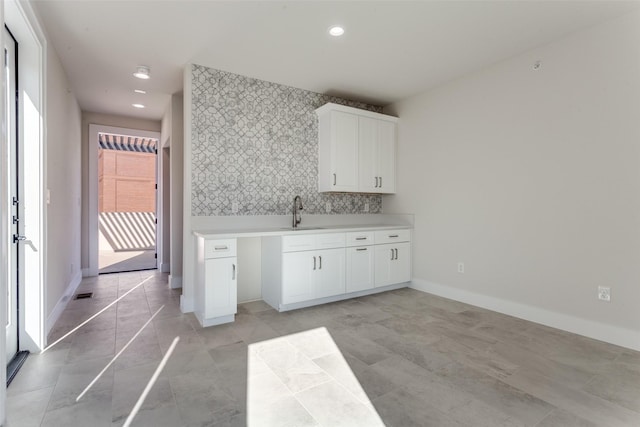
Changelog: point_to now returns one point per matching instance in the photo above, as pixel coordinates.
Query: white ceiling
(391, 50)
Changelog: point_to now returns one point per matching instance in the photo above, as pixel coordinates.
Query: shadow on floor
(139, 260)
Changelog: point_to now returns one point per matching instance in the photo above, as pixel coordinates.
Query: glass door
(10, 65)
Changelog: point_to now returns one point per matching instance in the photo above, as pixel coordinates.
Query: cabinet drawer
(392, 236)
(220, 248)
(330, 240)
(362, 238)
(305, 242)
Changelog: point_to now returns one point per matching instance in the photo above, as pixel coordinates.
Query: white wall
(105, 120)
(63, 148)
(177, 183)
(532, 179)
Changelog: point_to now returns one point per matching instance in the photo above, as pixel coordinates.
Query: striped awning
(109, 141)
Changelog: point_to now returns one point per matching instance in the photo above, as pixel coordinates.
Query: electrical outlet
(366, 207)
(604, 293)
(461, 267)
(328, 206)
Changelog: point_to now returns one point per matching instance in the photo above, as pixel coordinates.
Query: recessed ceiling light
(336, 31)
(138, 105)
(142, 72)
(140, 91)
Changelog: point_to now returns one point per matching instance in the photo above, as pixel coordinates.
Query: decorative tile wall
(255, 144)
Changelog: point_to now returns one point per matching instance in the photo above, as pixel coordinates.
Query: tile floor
(402, 358)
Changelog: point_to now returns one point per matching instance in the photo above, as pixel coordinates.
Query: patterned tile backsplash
(255, 145)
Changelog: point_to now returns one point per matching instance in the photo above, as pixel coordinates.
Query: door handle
(320, 262)
(334, 179)
(380, 182)
(233, 273)
(18, 238)
(376, 186)
(391, 254)
(314, 263)
(396, 249)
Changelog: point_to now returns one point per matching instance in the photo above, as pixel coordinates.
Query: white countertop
(287, 231)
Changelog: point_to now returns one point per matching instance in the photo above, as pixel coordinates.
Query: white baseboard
(64, 299)
(165, 267)
(175, 282)
(600, 331)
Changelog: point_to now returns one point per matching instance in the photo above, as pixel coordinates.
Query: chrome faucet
(297, 207)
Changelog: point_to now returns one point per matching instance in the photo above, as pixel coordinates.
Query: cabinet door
(297, 271)
(329, 278)
(392, 263)
(221, 289)
(344, 151)
(383, 259)
(401, 265)
(359, 268)
(386, 156)
(368, 155)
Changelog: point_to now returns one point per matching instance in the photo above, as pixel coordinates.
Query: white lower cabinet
(329, 279)
(297, 277)
(392, 263)
(360, 261)
(312, 274)
(221, 292)
(216, 286)
(307, 269)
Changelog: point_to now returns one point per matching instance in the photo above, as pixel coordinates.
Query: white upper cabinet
(356, 150)
(386, 151)
(338, 153)
(377, 155)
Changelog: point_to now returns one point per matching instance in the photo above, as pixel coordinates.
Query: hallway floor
(402, 358)
(110, 261)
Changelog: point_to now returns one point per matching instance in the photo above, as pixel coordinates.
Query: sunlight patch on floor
(303, 379)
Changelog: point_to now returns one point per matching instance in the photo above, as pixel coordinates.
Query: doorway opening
(127, 203)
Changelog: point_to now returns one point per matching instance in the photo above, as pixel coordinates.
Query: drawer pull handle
(314, 263)
(361, 238)
(391, 236)
(233, 273)
(320, 262)
(221, 248)
(361, 249)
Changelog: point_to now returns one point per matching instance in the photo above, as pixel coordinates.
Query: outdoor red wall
(126, 181)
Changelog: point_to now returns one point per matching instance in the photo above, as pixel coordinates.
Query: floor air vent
(84, 295)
